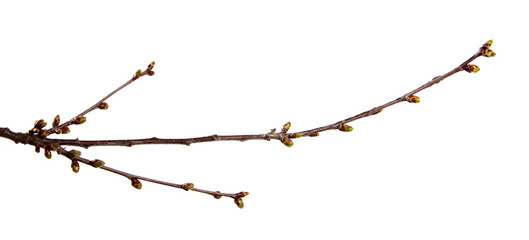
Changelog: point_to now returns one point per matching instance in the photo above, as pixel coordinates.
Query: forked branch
(38, 136)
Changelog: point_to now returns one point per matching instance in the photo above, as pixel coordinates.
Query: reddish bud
(51, 147)
(471, 68)
(75, 166)
(103, 106)
(97, 163)
(56, 121)
(488, 53)
(65, 130)
(487, 44)
(314, 134)
(39, 124)
(151, 65)
(43, 133)
(150, 73)
(217, 196)
(287, 142)
(74, 153)
(243, 194)
(79, 120)
(414, 99)
(238, 202)
(188, 186)
(47, 153)
(37, 149)
(345, 128)
(286, 127)
(135, 183)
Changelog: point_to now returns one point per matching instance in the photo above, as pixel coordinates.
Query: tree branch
(38, 136)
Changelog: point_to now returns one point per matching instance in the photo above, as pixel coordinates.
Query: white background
(454, 166)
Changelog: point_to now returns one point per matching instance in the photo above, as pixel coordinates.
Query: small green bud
(487, 44)
(39, 124)
(414, 99)
(75, 166)
(135, 183)
(138, 73)
(188, 186)
(56, 121)
(43, 133)
(239, 203)
(243, 194)
(287, 142)
(286, 127)
(471, 68)
(345, 128)
(298, 135)
(98, 163)
(79, 120)
(103, 106)
(489, 53)
(74, 153)
(47, 153)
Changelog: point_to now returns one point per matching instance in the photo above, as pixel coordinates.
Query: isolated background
(451, 167)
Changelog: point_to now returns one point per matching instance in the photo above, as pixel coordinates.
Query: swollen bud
(488, 53)
(64, 130)
(40, 124)
(135, 183)
(287, 142)
(43, 133)
(56, 121)
(97, 163)
(138, 73)
(239, 202)
(243, 194)
(297, 135)
(414, 99)
(471, 68)
(286, 127)
(345, 128)
(217, 196)
(103, 106)
(188, 186)
(75, 166)
(47, 153)
(151, 65)
(487, 44)
(79, 120)
(314, 134)
(74, 153)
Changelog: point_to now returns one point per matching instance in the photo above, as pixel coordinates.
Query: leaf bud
(56, 121)
(414, 99)
(297, 135)
(47, 153)
(188, 186)
(79, 120)
(238, 202)
(151, 65)
(217, 196)
(345, 128)
(287, 142)
(103, 106)
(58, 131)
(135, 183)
(286, 127)
(314, 134)
(75, 166)
(37, 149)
(39, 124)
(243, 194)
(74, 153)
(51, 147)
(471, 68)
(138, 73)
(97, 163)
(488, 53)
(43, 133)
(65, 130)
(487, 44)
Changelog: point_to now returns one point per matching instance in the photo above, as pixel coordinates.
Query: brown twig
(37, 136)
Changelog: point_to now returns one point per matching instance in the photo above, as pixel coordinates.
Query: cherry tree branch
(38, 136)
